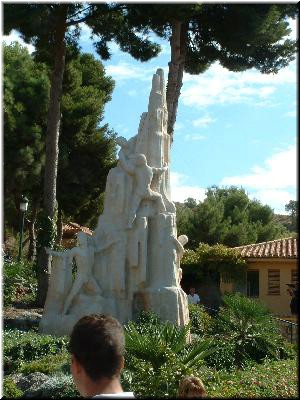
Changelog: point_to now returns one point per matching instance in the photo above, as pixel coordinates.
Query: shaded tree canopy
(292, 209)
(87, 148)
(215, 259)
(50, 28)
(25, 98)
(239, 36)
(228, 216)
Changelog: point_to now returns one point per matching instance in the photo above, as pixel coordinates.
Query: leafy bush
(10, 389)
(48, 365)
(160, 342)
(148, 318)
(246, 326)
(140, 377)
(224, 355)
(201, 321)
(21, 347)
(272, 379)
(19, 282)
(57, 386)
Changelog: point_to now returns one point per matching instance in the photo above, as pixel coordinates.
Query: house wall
(278, 304)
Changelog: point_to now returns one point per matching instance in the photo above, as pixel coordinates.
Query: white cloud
(125, 71)
(276, 199)
(181, 191)
(194, 137)
(203, 122)
(279, 172)
(220, 86)
(15, 37)
(85, 33)
(291, 114)
(132, 93)
(273, 184)
(294, 27)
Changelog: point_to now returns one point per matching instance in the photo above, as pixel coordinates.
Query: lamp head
(23, 203)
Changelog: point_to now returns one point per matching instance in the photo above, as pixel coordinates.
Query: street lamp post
(23, 209)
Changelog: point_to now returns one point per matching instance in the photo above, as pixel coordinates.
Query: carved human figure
(60, 281)
(124, 144)
(142, 173)
(180, 242)
(84, 257)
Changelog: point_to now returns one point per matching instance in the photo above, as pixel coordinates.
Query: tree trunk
(52, 135)
(59, 227)
(32, 236)
(176, 67)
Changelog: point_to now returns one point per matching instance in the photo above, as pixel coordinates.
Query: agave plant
(249, 324)
(161, 342)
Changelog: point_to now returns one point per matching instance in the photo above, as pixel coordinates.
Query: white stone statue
(143, 174)
(84, 258)
(180, 242)
(132, 261)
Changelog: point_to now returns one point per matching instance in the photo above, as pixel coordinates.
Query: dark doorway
(253, 283)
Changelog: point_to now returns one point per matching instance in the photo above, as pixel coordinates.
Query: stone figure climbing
(136, 165)
(180, 242)
(84, 257)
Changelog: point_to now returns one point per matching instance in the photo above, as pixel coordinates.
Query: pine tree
(26, 96)
(239, 36)
(49, 27)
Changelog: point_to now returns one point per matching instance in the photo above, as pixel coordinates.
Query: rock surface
(21, 318)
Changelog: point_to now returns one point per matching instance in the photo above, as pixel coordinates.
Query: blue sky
(232, 128)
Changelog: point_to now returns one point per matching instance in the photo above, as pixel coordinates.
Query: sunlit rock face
(132, 261)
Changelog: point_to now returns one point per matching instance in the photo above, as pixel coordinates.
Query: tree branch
(78, 21)
(80, 11)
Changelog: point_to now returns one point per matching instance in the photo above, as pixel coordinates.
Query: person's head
(140, 159)
(183, 239)
(97, 347)
(191, 386)
(192, 290)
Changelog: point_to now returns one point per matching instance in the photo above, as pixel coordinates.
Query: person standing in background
(193, 298)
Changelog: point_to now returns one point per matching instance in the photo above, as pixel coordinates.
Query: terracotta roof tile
(280, 248)
(71, 228)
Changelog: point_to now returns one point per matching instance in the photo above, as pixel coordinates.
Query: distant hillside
(285, 220)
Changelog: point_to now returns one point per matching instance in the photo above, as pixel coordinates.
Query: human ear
(75, 365)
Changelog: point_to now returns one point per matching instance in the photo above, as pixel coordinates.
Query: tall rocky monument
(132, 261)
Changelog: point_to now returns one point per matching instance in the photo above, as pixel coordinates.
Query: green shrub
(19, 282)
(223, 356)
(272, 379)
(249, 330)
(60, 385)
(148, 317)
(159, 343)
(201, 321)
(23, 347)
(140, 377)
(48, 365)
(10, 389)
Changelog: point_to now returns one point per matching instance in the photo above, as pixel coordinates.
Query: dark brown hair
(98, 343)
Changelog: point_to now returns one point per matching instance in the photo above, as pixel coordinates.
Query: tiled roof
(71, 228)
(280, 248)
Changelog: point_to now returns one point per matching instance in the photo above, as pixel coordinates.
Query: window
(253, 283)
(294, 276)
(273, 282)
